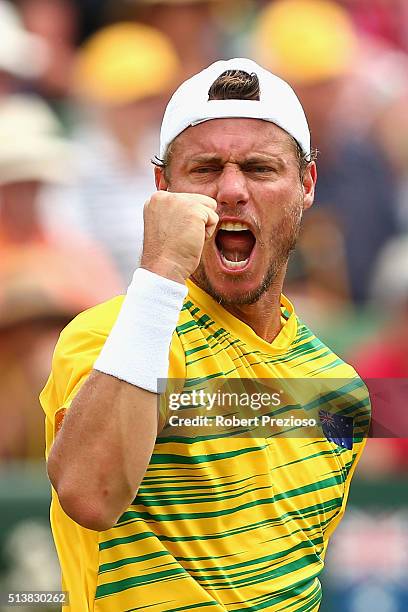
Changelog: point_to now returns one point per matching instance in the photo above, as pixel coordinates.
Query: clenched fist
(176, 226)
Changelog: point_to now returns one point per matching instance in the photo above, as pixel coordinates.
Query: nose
(232, 186)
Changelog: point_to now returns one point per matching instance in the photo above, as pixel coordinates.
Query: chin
(231, 291)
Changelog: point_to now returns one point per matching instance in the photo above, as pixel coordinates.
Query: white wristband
(137, 349)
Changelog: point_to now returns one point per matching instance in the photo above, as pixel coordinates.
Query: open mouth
(235, 243)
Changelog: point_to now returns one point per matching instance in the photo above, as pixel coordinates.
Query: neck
(264, 317)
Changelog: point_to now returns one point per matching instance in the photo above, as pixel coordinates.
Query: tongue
(235, 246)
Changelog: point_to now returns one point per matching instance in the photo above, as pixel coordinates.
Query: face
(251, 169)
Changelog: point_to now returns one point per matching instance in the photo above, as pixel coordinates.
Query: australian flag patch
(337, 428)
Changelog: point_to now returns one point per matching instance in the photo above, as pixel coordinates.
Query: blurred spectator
(312, 44)
(189, 24)
(392, 134)
(384, 358)
(32, 152)
(23, 56)
(380, 86)
(45, 279)
(42, 289)
(56, 23)
(122, 75)
(386, 355)
(385, 19)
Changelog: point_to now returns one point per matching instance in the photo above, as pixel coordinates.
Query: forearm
(100, 455)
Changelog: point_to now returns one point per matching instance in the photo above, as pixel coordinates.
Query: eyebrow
(254, 159)
(261, 158)
(205, 159)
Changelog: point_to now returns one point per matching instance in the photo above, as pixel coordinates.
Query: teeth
(233, 227)
(234, 264)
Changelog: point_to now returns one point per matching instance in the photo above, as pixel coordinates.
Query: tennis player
(142, 521)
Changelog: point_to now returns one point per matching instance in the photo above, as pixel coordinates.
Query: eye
(258, 169)
(205, 169)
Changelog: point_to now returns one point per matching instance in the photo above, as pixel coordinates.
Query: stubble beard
(282, 243)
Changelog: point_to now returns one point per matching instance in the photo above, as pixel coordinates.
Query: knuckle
(211, 202)
(159, 196)
(201, 214)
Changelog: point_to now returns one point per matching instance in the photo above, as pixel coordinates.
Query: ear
(308, 185)
(160, 179)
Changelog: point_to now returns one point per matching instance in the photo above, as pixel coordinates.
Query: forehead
(233, 137)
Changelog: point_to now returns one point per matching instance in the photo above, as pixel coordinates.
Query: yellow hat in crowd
(125, 62)
(305, 41)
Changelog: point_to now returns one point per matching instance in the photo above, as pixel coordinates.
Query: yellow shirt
(220, 522)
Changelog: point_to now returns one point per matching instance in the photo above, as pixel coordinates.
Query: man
(222, 522)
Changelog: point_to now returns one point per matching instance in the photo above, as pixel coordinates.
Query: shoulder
(95, 323)
(341, 389)
(79, 345)
(317, 358)
(321, 363)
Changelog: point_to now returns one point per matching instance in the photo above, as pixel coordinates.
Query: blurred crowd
(83, 84)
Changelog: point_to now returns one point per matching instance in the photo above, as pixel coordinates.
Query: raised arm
(101, 453)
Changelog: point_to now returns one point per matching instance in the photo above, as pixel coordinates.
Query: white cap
(278, 104)
(31, 146)
(21, 53)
